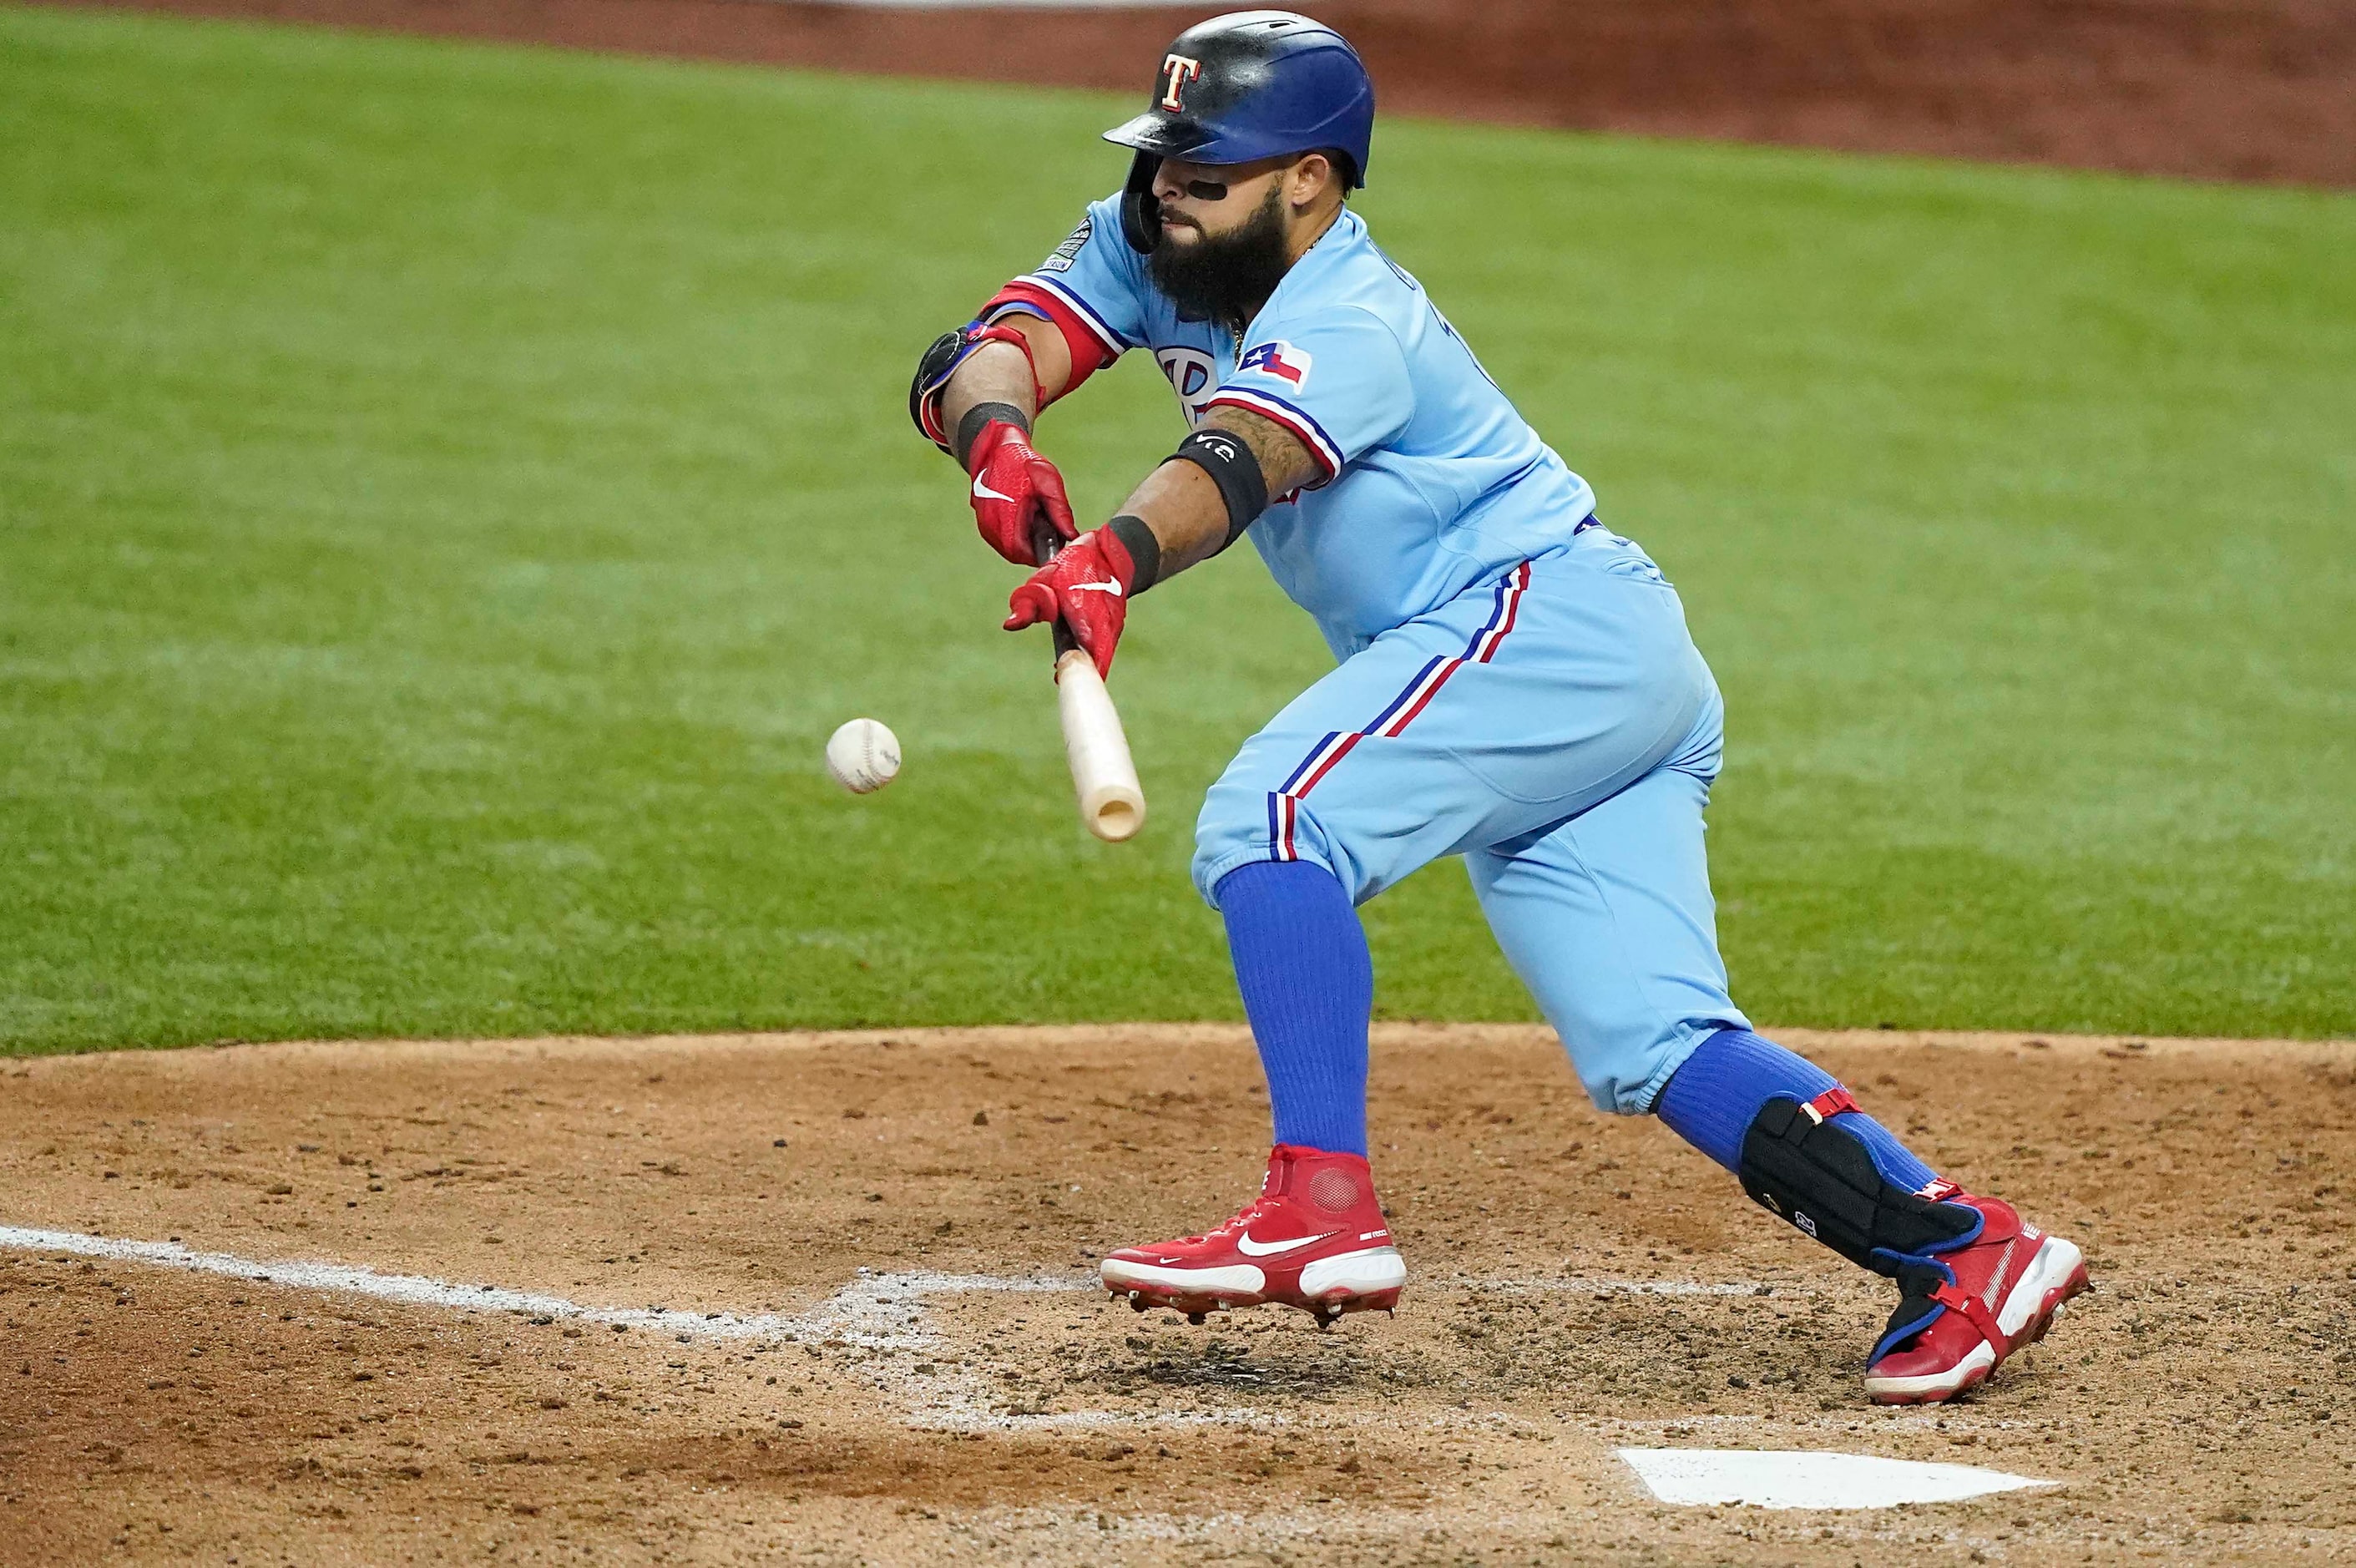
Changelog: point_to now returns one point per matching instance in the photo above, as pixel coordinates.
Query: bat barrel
(1104, 777)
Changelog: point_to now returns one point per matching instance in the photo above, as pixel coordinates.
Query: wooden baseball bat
(1112, 802)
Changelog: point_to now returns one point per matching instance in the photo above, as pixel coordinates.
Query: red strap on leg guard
(1836, 1099)
(1975, 1312)
(1830, 1103)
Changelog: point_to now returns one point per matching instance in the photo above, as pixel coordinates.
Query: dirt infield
(2256, 90)
(899, 1231)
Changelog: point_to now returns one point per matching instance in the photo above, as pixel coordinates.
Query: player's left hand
(1014, 489)
(1087, 587)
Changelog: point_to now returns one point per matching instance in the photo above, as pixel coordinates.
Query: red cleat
(1315, 1239)
(1968, 1308)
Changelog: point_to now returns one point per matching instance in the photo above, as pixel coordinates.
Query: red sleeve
(1088, 352)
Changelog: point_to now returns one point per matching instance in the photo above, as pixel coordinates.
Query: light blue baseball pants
(1557, 728)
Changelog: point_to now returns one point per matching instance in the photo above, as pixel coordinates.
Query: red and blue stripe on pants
(1284, 802)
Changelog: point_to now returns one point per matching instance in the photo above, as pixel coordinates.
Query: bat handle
(1045, 546)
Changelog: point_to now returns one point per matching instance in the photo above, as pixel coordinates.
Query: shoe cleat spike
(1195, 1318)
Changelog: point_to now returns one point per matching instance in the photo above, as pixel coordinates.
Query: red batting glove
(1086, 588)
(1013, 488)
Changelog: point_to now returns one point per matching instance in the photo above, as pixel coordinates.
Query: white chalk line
(856, 1314)
(878, 1312)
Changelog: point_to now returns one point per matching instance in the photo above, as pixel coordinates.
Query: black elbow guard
(933, 371)
(1232, 466)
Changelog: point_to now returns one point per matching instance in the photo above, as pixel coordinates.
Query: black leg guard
(1801, 1164)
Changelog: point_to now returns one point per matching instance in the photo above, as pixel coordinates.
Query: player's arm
(1202, 499)
(978, 390)
(1194, 505)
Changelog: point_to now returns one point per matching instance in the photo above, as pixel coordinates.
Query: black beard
(1224, 278)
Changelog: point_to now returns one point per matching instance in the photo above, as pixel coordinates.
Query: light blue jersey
(1433, 482)
(1516, 684)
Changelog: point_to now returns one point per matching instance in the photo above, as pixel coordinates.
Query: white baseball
(864, 756)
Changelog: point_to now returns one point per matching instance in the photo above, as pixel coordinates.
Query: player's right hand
(1012, 488)
(1087, 587)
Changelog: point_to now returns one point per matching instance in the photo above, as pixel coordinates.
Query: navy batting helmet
(1242, 87)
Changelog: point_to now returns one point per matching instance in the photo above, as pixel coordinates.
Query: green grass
(448, 494)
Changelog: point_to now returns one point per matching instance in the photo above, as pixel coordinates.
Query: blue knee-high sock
(1309, 988)
(1716, 1095)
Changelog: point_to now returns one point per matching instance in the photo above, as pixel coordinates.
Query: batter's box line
(857, 1314)
(875, 1312)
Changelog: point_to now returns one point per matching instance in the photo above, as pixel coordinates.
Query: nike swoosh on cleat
(1251, 1249)
(983, 492)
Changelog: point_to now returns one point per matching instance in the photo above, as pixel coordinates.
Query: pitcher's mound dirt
(2261, 90)
(1583, 1283)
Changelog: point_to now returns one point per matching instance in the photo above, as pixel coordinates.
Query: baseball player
(1516, 686)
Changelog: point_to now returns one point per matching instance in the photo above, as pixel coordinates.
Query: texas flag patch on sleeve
(1277, 359)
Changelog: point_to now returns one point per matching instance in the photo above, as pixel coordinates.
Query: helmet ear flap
(1141, 210)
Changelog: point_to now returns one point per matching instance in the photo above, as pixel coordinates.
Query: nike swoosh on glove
(1012, 486)
(1087, 587)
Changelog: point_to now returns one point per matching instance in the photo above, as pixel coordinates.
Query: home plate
(1800, 1478)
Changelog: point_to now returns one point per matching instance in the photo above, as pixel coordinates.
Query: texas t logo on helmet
(1180, 71)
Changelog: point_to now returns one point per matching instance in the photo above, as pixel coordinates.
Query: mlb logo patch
(1278, 359)
(1061, 259)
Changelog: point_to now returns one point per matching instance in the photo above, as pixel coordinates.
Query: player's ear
(1307, 178)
